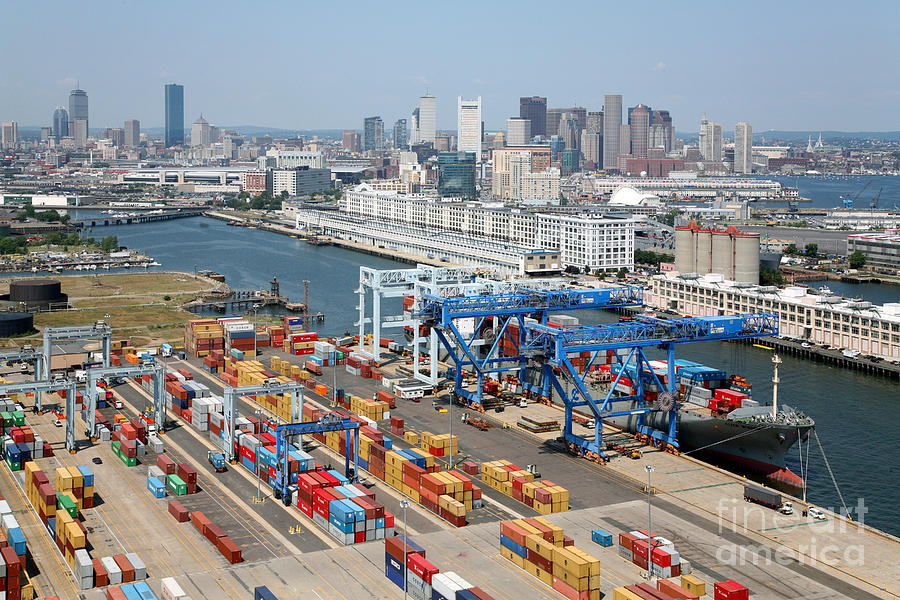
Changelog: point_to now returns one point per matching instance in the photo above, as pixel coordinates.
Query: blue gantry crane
(551, 346)
(442, 313)
(328, 422)
(548, 348)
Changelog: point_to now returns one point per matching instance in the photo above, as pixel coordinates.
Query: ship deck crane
(26, 354)
(326, 423)
(38, 388)
(874, 203)
(94, 374)
(269, 387)
(99, 330)
(552, 346)
(443, 313)
(849, 202)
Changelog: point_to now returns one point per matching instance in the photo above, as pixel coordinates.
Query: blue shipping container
(156, 487)
(465, 595)
(393, 570)
(511, 545)
(263, 593)
(130, 592)
(598, 536)
(341, 479)
(144, 590)
(16, 540)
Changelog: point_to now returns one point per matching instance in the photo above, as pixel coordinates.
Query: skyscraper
(174, 115)
(710, 140)
(518, 131)
(554, 116)
(662, 132)
(624, 140)
(9, 134)
(639, 122)
(568, 130)
(200, 133)
(743, 148)
(427, 116)
(351, 140)
(468, 128)
(132, 133)
(373, 134)
(78, 107)
(79, 132)
(414, 127)
(535, 110)
(400, 137)
(60, 123)
(594, 122)
(612, 119)
(456, 174)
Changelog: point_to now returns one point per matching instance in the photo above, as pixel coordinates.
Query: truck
(166, 350)
(217, 460)
(766, 497)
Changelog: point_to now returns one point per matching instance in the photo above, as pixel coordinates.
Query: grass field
(145, 307)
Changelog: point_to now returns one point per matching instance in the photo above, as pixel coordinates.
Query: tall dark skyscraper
(535, 110)
(400, 136)
(174, 115)
(60, 123)
(456, 174)
(373, 134)
(78, 107)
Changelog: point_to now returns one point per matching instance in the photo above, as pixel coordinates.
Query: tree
(768, 276)
(669, 217)
(791, 249)
(857, 260)
(812, 250)
(573, 270)
(109, 243)
(12, 245)
(622, 273)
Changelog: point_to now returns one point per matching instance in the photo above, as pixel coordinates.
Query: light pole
(258, 414)
(404, 505)
(649, 469)
(255, 314)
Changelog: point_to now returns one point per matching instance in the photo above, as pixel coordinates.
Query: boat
(742, 435)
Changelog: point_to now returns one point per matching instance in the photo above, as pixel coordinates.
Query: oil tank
(703, 252)
(721, 254)
(746, 257)
(37, 293)
(15, 323)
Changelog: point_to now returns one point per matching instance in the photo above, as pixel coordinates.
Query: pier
(130, 218)
(833, 357)
(244, 300)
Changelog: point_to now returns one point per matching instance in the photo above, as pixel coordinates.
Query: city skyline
(773, 73)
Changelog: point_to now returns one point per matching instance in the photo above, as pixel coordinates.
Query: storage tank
(37, 293)
(15, 323)
(746, 257)
(684, 250)
(722, 254)
(703, 252)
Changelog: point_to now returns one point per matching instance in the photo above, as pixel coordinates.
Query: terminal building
(822, 319)
(693, 187)
(864, 219)
(581, 240)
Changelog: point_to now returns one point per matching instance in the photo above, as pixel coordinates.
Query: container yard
(344, 478)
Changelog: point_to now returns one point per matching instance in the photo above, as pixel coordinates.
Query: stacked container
(661, 559)
(201, 336)
(540, 548)
(544, 496)
(439, 445)
(374, 410)
(240, 336)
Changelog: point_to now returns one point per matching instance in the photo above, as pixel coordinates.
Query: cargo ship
(717, 420)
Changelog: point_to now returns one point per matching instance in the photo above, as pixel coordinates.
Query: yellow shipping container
(693, 585)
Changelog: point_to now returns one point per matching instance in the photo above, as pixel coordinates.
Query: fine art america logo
(818, 543)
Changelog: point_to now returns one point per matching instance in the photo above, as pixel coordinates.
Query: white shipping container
(171, 590)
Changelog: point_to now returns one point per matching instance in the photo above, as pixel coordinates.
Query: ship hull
(750, 448)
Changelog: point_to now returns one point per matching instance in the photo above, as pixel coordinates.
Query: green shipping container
(13, 466)
(7, 419)
(115, 446)
(19, 418)
(177, 485)
(65, 503)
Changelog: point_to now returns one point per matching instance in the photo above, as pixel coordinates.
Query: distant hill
(255, 130)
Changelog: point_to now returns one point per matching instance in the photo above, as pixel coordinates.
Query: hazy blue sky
(778, 65)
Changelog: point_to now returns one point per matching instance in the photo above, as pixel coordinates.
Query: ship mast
(776, 360)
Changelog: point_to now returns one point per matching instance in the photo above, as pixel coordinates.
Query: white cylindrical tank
(684, 250)
(722, 254)
(703, 252)
(746, 257)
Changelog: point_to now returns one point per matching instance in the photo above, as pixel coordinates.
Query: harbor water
(855, 413)
(825, 191)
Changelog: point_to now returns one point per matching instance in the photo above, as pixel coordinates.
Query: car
(816, 513)
(805, 345)
(118, 405)
(57, 423)
(97, 460)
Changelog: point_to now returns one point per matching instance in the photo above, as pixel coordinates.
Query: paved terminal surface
(694, 505)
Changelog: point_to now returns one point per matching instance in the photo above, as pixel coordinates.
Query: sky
(788, 65)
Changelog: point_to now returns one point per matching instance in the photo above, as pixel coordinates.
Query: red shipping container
(421, 567)
(661, 557)
(394, 545)
(178, 511)
(674, 590)
(187, 473)
(641, 548)
(115, 593)
(125, 566)
(229, 550)
(214, 532)
(730, 590)
(101, 577)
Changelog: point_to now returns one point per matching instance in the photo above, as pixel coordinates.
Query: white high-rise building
(468, 129)
(612, 119)
(9, 135)
(711, 140)
(743, 148)
(518, 131)
(291, 159)
(427, 115)
(79, 131)
(200, 134)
